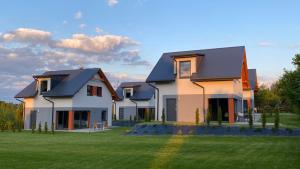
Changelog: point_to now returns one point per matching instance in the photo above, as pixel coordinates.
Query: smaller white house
(136, 98)
(70, 99)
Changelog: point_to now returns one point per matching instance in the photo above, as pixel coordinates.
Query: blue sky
(140, 31)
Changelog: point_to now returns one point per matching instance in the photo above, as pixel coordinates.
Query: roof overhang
(187, 55)
(48, 76)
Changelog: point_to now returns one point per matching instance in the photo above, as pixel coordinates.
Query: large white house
(136, 98)
(207, 80)
(71, 99)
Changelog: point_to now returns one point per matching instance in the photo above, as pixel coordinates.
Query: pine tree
(208, 118)
(263, 119)
(276, 120)
(40, 127)
(250, 118)
(52, 128)
(163, 117)
(32, 128)
(46, 127)
(197, 116)
(219, 116)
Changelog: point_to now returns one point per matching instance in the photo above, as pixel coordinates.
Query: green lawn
(113, 149)
(286, 120)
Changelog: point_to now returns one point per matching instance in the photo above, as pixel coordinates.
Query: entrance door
(171, 110)
(81, 119)
(62, 119)
(32, 122)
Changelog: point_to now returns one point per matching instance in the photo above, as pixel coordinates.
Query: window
(185, 69)
(127, 93)
(44, 86)
(90, 90)
(99, 91)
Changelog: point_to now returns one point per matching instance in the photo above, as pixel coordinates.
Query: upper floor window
(184, 69)
(89, 90)
(99, 91)
(44, 86)
(127, 93)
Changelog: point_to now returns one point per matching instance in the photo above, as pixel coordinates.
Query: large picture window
(184, 69)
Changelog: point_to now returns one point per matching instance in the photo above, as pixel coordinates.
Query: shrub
(276, 120)
(257, 130)
(208, 118)
(289, 130)
(40, 127)
(12, 126)
(134, 118)
(32, 128)
(250, 118)
(242, 128)
(130, 118)
(263, 119)
(52, 128)
(46, 127)
(219, 116)
(20, 125)
(179, 132)
(147, 116)
(163, 117)
(197, 116)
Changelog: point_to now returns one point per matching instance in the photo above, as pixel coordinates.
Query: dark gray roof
(141, 90)
(252, 78)
(69, 84)
(218, 63)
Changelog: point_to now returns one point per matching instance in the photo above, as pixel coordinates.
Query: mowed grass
(115, 150)
(290, 120)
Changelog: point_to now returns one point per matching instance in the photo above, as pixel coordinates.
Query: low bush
(263, 119)
(40, 128)
(208, 118)
(289, 130)
(163, 117)
(219, 116)
(46, 127)
(197, 116)
(257, 130)
(242, 129)
(276, 120)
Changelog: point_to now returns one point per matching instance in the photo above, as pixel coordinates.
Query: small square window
(184, 69)
(127, 93)
(89, 90)
(99, 91)
(44, 86)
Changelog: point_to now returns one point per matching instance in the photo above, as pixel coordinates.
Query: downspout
(157, 104)
(202, 99)
(52, 108)
(23, 114)
(115, 107)
(136, 108)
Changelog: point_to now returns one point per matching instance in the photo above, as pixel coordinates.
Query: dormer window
(184, 69)
(127, 93)
(44, 86)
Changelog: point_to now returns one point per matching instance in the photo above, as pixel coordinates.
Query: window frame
(98, 88)
(41, 82)
(125, 93)
(180, 75)
(89, 90)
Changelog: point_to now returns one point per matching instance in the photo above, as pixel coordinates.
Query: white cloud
(27, 51)
(265, 44)
(112, 2)
(81, 26)
(99, 30)
(78, 15)
(116, 78)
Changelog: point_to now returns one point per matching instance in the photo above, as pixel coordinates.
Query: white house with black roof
(208, 80)
(136, 98)
(71, 99)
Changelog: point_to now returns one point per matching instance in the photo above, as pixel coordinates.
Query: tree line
(284, 94)
(11, 116)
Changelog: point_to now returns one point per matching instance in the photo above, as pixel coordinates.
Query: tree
(263, 119)
(40, 127)
(276, 120)
(52, 128)
(289, 86)
(208, 117)
(197, 116)
(46, 127)
(163, 117)
(219, 116)
(250, 118)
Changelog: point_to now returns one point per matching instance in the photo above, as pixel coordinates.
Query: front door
(171, 110)
(62, 119)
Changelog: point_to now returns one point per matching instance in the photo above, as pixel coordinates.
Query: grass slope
(115, 150)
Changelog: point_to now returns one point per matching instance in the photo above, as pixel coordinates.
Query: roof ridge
(194, 50)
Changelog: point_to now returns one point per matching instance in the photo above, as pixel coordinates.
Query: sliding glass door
(81, 119)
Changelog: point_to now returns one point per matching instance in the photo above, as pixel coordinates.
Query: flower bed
(168, 129)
